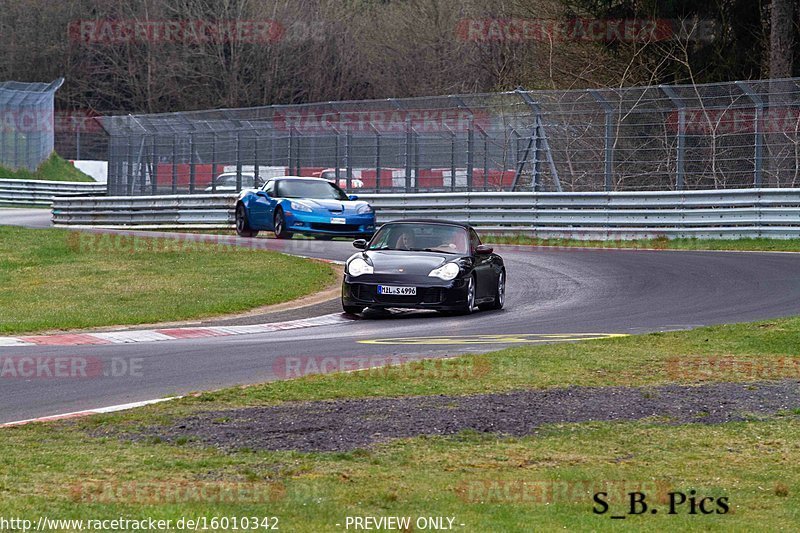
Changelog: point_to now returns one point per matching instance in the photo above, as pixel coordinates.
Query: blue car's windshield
(314, 189)
(422, 237)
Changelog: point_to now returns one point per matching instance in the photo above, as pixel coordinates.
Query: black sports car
(424, 264)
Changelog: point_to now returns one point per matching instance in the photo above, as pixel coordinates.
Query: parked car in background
(330, 175)
(311, 206)
(226, 182)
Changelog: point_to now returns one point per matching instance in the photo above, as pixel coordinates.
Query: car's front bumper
(320, 224)
(431, 293)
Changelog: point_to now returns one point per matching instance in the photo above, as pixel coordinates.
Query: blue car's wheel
(280, 226)
(242, 224)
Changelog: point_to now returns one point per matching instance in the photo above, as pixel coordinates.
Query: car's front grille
(369, 293)
(334, 227)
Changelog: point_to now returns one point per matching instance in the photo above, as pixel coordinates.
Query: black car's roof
(429, 221)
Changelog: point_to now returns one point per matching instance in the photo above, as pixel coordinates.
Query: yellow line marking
(523, 338)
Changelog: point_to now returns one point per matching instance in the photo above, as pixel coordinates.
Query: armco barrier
(613, 215)
(41, 193)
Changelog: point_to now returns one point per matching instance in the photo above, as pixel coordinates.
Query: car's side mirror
(361, 244)
(484, 249)
(353, 197)
(262, 193)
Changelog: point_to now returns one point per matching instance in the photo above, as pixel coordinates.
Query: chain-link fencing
(26, 123)
(715, 136)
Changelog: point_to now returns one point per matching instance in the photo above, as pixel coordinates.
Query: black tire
(242, 224)
(280, 226)
(351, 309)
(469, 305)
(499, 294)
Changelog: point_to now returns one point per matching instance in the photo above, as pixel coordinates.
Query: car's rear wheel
(280, 226)
(242, 224)
(499, 294)
(469, 304)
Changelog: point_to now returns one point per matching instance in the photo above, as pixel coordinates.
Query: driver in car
(405, 241)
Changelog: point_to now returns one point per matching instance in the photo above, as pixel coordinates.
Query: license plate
(335, 220)
(397, 291)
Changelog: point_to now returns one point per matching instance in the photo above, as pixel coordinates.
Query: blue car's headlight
(358, 266)
(365, 209)
(297, 206)
(446, 272)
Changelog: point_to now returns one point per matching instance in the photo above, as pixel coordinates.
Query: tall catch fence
(677, 137)
(26, 123)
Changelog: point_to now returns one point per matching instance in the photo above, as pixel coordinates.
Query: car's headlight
(297, 206)
(446, 272)
(364, 209)
(358, 266)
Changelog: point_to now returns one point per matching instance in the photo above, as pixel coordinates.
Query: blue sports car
(311, 206)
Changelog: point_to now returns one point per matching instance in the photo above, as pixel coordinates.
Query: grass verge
(57, 279)
(765, 245)
(486, 482)
(53, 168)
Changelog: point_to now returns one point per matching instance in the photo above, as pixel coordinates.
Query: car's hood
(335, 206)
(412, 263)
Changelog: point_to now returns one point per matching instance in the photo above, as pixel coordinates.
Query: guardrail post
(608, 140)
(192, 163)
(680, 183)
(239, 160)
(758, 160)
(175, 164)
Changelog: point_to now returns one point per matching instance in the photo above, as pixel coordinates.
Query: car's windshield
(422, 237)
(315, 189)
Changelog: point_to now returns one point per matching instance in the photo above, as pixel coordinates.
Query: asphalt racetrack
(562, 292)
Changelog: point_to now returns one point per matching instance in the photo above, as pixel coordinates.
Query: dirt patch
(349, 424)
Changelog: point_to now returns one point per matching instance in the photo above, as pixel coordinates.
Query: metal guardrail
(167, 210)
(736, 213)
(41, 193)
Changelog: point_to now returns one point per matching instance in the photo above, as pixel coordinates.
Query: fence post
(256, 170)
(470, 152)
(214, 139)
(680, 181)
(290, 162)
(129, 184)
(452, 159)
(416, 162)
(192, 163)
(154, 167)
(239, 160)
(758, 160)
(348, 146)
(409, 141)
(608, 141)
(377, 157)
(175, 164)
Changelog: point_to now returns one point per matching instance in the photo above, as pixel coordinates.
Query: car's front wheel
(499, 294)
(242, 224)
(469, 303)
(280, 226)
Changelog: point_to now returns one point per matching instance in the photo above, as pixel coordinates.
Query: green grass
(771, 245)
(57, 279)
(488, 483)
(52, 169)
